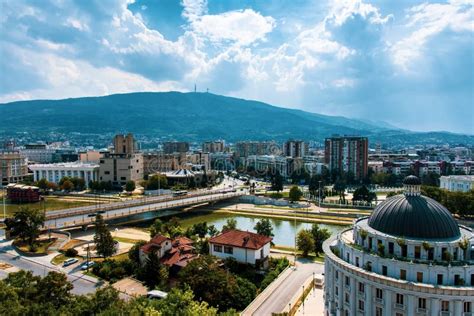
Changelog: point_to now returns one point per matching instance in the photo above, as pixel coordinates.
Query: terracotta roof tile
(241, 239)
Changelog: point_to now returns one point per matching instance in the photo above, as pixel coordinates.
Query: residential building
(38, 153)
(175, 253)
(295, 149)
(243, 246)
(13, 167)
(268, 163)
(90, 156)
(20, 193)
(222, 161)
(160, 162)
(253, 148)
(123, 165)
(217, 146)
(347, 154)
(175, 147)
(54, 172)
(457, 183)
(404, 259)
(376, 166)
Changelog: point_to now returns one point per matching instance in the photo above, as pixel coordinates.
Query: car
(100, 212)
(92, 215)
(87, 265)
(156, 294)
(70, 261)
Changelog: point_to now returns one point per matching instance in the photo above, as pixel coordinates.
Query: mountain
(194, 117)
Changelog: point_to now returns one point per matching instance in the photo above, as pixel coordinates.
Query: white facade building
(410, 257)
(245, 247)
(457, 183)
(54, 172)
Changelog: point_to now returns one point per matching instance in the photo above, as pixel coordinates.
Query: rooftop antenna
(194, 88)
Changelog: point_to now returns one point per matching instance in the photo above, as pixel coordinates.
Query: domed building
(409, 257)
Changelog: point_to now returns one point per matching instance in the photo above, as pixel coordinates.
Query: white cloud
(428, 20)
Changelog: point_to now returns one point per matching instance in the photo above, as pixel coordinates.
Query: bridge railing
(168, 204)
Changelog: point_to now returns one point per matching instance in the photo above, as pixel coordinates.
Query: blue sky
(408, 63)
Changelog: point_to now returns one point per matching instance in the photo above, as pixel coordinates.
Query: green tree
(104, 243)
(67, 185)
(157, 181)
(42, 184)
(364, 194)
(305, 241)
(156, 228)
(319, 236)
(134, 253)
(340, 188)
(172, 228)
(276, 182)
(212, 230)
(295, 194)
(130, 186)
(181, 302)
(154, 273)
(264, 227)
(200, 229)
(26, 224)
(55, 289)
(230, 224)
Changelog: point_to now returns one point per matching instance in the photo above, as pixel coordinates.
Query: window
(422, 303)
(472, 278)
(348, 281)
(390, 248)
(467, 307)
(361, 287)
(445, 306)
(217, 248)
(404, 250)
(337, 275)
(357, 261)
(398, 314)
(384, 270)
(370, 242)
(347, 257)
(336, 291)
(417, 252)
(102, 161)
(346, 297)
(378, 311)
(400, 299)
(457, 279)
(379, 294)
(361, 305)
(403, 274)
(440, 279)
(123, 178)
(228, 250)
(419, 277)
(106, 172)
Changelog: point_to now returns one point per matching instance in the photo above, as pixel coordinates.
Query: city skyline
(393, 62)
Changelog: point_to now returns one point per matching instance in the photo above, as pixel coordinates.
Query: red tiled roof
(241, 239)
(154, 243)
(182, 241)
(158, 239)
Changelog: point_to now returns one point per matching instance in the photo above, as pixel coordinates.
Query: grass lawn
(311, 255)
(121, 257)
(59, 259)
(41, 245)
(51, 203)
(126, 240)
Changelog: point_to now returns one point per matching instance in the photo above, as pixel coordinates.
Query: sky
(407, 63)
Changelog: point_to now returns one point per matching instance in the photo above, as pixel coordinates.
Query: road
(282, 295)
(69, 220)
(82, 284)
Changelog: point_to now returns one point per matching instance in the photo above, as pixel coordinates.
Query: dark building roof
(241, 239)
(412, 180)
(416, 217)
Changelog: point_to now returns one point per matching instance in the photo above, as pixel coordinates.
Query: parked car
(70, 261)
(156, 294)
(87, 265)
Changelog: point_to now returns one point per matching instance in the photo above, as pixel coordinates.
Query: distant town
(282, 227)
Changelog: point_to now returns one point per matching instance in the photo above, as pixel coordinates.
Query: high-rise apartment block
(347, 154)
(217, 146)
(175, 147)
(295, 149)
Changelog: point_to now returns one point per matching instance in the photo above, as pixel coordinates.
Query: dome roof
(416, 217)
(412, 180)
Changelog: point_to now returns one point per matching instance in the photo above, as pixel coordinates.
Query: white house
(245, 247)
(457, 183)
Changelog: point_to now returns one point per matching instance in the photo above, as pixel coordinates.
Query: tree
(200, 229)
(172, 228)
(130, 186)
(42, 184)
(26, 224)
(157, 181)
(363, 194)
(79, 183)
(230, 224)
(104, 243)
(340, 188)
(156, 228)
(319, 236)
(67, 185)
(305, 241)
(212, 230)
(295, 194)
(154, 272)
(134, 253)
(181, 302)
(276, 182)
(264, 227)
(55, 288)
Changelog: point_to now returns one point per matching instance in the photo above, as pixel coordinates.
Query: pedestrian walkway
(313, 304)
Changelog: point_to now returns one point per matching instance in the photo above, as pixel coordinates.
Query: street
(82, 284)
(282, 295)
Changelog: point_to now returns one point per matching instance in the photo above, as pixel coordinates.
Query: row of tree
(460, 203)
(311, 240)
(66, 184)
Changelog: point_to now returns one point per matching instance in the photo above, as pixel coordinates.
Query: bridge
(83, 216)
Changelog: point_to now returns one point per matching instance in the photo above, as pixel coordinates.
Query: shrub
(71, 252)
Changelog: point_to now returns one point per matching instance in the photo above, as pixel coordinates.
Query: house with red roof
(243, 246)
(175, 254)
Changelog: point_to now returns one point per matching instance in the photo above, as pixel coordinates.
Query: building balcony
(422, 311)
(378, 301)
(445, 314)
(401, 307)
